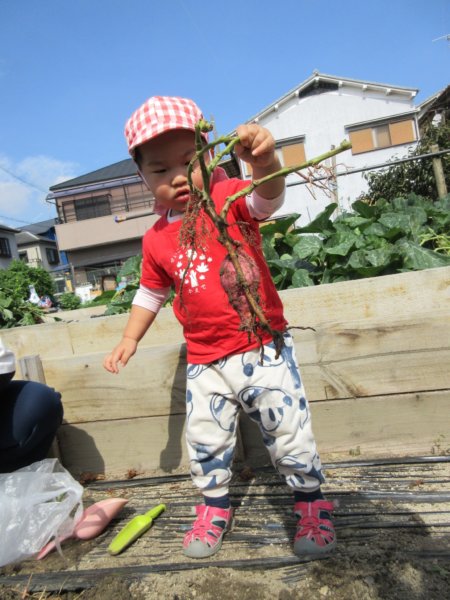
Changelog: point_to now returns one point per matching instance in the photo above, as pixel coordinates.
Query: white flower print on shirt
(192, 268)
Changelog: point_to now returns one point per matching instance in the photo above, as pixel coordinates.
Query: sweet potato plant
(405, 234)
(239, 274)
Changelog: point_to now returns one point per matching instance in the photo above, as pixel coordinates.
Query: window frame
(298, 140)
(49, 251)
(5, 248)
(92, 204)
(364, 136)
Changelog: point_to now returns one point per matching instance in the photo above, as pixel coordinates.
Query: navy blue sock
(220, 502)
(308, 496)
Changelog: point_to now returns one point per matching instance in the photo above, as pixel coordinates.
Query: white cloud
(15, 198)
(24, 186)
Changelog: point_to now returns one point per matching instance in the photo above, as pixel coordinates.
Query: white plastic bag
(37, 503)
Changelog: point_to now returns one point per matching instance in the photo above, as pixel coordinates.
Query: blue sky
(72, 71)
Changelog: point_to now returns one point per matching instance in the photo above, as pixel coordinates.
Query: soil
(393, 529)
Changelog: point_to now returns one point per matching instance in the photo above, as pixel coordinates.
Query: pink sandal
(315, 531)
(205, 537)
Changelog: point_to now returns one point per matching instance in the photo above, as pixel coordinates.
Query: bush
(415, 176)
(69, 301)
(19, 276)
(121, 300)
(15, 311)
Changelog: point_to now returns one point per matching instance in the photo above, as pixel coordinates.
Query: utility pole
(438, 171)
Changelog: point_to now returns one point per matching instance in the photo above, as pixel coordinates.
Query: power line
(15, 220)
(23, 180)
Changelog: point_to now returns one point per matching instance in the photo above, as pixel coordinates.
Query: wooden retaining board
(397, 425)
(375, 370)
(364, 358)
(390, 296)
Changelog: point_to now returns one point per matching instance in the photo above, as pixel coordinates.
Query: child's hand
(256, 146)
(120, 355)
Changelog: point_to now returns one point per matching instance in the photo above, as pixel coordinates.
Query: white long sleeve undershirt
(259, 208)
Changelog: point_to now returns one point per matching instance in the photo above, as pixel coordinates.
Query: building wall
(322, 120)
(91, 233)
(37, 256)
(107, 253)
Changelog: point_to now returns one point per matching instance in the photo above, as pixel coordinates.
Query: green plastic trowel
(134, 529)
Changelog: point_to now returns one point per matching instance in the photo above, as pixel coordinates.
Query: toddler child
(224, 370)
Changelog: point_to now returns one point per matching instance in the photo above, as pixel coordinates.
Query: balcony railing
(79, 208)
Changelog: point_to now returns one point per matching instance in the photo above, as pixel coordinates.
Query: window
(5, 249)
(52, 256)
(292, 154)
(290, 151)
(384, 135)
(90, 208)
(23, 256)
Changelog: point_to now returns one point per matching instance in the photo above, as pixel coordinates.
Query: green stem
(218, 157)
(345, 145)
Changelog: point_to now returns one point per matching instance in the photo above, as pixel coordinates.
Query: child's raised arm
(257, 147)
(138, 323)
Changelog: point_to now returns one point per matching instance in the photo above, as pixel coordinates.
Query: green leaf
(376, 229)
(286, 263)
(307, 245)
(341, 243)
(268, 248)
(132, 266)
(7, 314)
(364, 209)
(301, 278)
(371, 262)
(353, 221)
(396, 221)
(321, 223)
(279, 226)
(416, 257)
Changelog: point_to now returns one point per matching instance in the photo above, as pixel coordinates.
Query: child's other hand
(120, 355)
(256, 145)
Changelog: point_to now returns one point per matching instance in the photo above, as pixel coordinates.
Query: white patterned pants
(272, 395)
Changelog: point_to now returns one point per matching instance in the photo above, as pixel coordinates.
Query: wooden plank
(31, 369)
(400, 295)
(103, 333)
(399, 425)
(366, 358)
(90, 393)
(153, 383)
(390, 296)
(384, 297)
(115, 447)
(76, 314)
(376, 375)
(45, 340)
(336, 341)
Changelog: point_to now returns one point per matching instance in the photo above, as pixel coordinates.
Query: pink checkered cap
(158, 115)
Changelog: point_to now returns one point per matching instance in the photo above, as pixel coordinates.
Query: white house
(380, 120)
(37, 250)
(8, 245)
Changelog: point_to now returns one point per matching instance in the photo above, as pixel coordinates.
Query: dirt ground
(393, 524)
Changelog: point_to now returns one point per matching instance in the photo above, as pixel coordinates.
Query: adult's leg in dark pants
(30, 414)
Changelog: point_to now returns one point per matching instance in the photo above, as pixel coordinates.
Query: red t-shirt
(210, 323)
